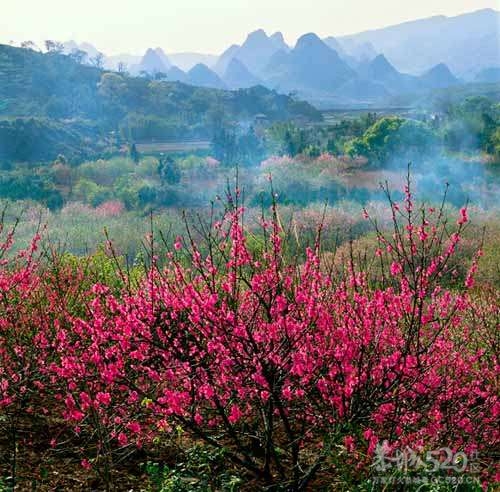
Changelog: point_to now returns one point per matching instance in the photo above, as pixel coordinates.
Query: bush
(106, 172)
(291, 373)
(393, 136)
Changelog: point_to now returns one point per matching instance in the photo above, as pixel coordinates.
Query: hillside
(35, 84)
(55, 87)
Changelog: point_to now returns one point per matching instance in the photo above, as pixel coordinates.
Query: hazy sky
(209, 26)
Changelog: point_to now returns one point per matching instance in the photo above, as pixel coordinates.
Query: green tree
(494, 144)
(54, 46)
(134, 154)
(393, 136)
(224, 146)
(113, 90)
(470, 125)
(169, 171)
(250, 148)
(147, 194)
(288, 139)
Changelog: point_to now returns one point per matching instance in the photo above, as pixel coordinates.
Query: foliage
(54, 87)
(394, 136)
(169, 171)
(23, 184)
(287, 139)
(134, 154)
(201, 469)
(43, 139)
(231, 147)
(290, 372)
(224, 145)
(472, 125)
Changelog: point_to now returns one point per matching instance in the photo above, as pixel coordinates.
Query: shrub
(288, 371)
(281, 365)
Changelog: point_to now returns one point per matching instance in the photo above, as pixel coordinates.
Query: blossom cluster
(249, 350)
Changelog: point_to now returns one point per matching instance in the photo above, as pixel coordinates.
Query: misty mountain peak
(257, 50)
(439, 76)
(441, 69)
(257, 36)
(310, 45)
(278, 39)
(238, 76)
(150, 56)
(199, 68)
(152, 62)
(309, 40)
(311, 65)
(175, 74)
(380, 65)
(202, 76)
(159, 51)
(163, 57)
(222, 63)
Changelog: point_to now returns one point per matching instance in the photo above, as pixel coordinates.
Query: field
(174, 147)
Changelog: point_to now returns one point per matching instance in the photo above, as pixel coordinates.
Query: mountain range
(365, 68)
(466, 43)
